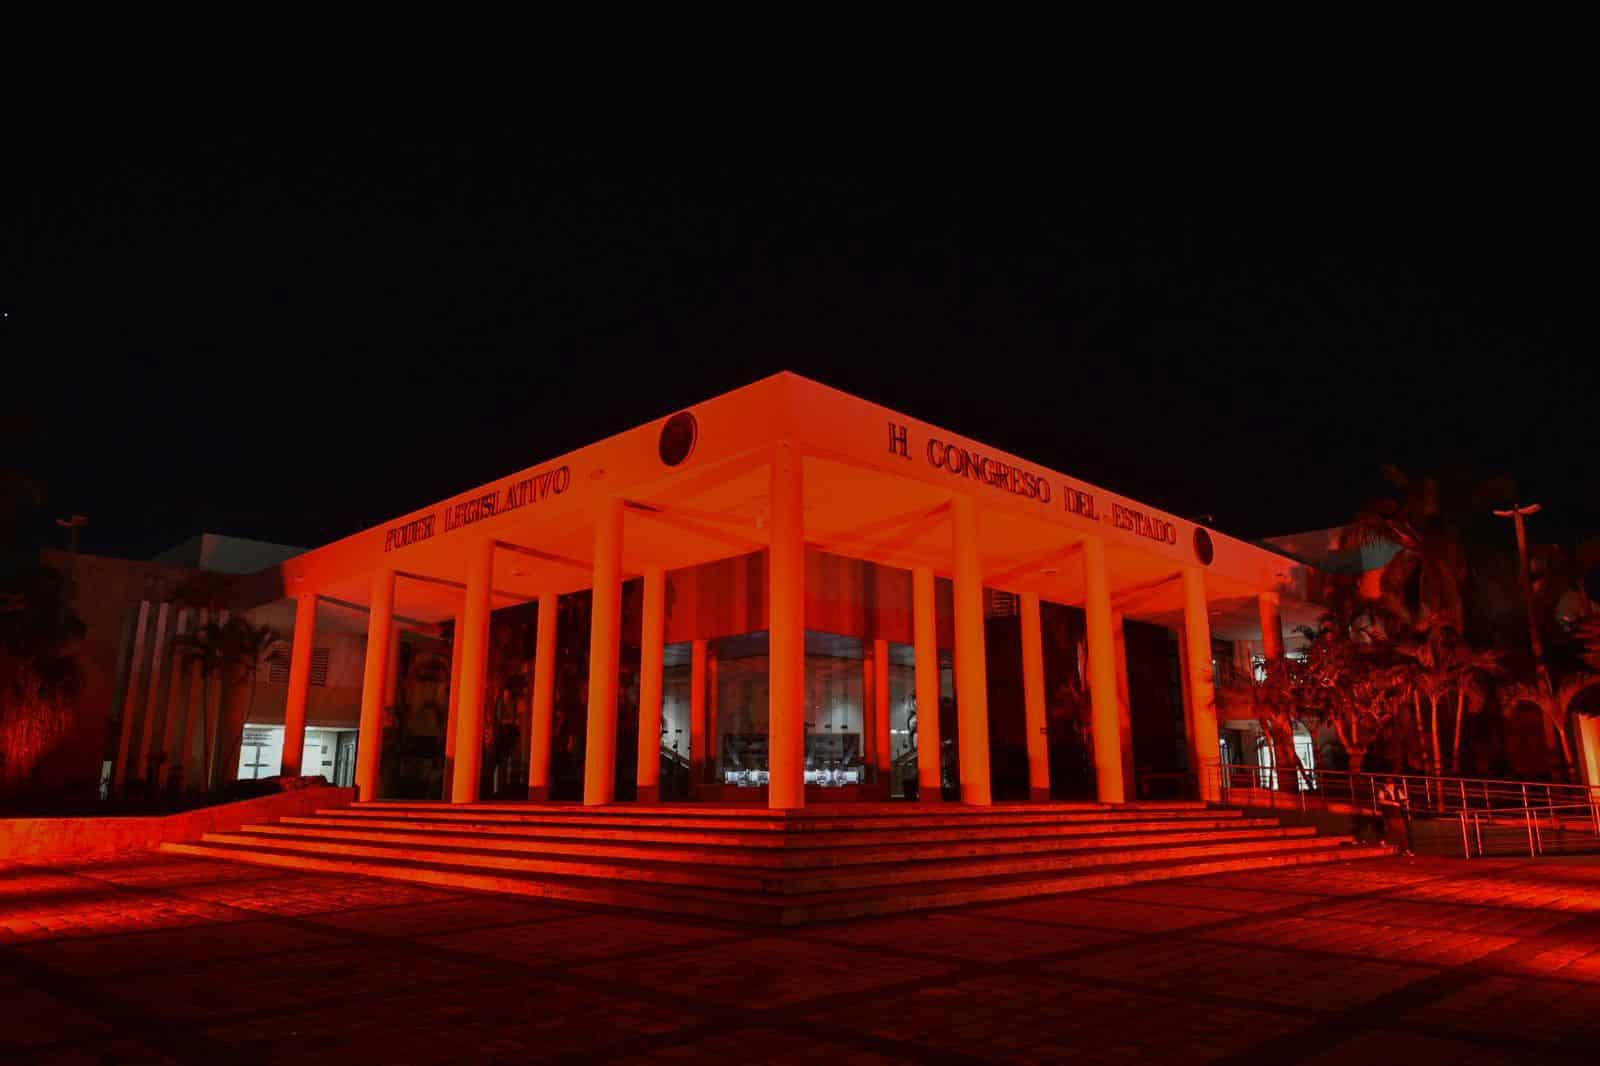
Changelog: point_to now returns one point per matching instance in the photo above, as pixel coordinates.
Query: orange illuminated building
(773, 591)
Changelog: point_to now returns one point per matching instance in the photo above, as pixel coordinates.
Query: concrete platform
(776, 868)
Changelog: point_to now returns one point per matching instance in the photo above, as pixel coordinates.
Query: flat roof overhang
(877, 486)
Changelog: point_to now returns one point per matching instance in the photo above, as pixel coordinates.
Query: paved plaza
(171, 959)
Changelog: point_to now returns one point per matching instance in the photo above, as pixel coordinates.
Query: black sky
(290, 333)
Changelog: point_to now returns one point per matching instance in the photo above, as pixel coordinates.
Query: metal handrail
(1533, 821)
(1425, 794)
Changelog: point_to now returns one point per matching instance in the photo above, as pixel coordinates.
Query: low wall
(75, 839)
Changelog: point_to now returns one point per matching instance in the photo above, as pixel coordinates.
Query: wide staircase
(754, 865)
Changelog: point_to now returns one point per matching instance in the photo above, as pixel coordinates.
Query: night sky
(292, 333)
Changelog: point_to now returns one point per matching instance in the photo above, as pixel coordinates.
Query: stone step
(771, 910)
(773, 839)
(630, 819)
(665, 869)
(524, 841)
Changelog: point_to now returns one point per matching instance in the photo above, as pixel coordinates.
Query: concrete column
(174, 701)
(925, 634)
(869, 710)
(1271, 625)
(391, 673)
(884, 742)
(605, 649)
(786, 627)
(1105, 718)
(1035, 720)
(713, 702)
(369, 741)
(1119, 641)
(127, 741)
(1199, 681)
(468, 701)
(150, 705)
(294, 711)
(1589, 750)
(699, 739)
(451, 719)
(972, 672)
(651, 652)
(542, 725)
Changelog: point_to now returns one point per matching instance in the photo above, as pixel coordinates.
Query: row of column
(786, 629)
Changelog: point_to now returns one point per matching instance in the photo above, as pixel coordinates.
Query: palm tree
(1474, 667)
(245, 648)
(1428, 577)
(202, 649)
(1444, 665)
(1556, 703)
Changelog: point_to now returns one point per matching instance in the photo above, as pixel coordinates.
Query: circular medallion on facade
(678, 437)
(1204, 550)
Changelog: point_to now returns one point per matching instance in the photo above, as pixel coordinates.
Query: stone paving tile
(1390, 1046)
(161, 870)
(585, 936)
(1245, 972)
(168, 949)
(26, 881)
(1418, 913)
(1013, 1017)
(1208, 896)
(1483, 962)
(1094, 912)
(312, 895)
(753, 1044)
(443, 916)
(1339, 879)
(961, 936)
(765, 972)
(1517, 1007)
(50, 917)
(290, 980)
(1431, 947)
(30, 1017)
(99, 1053)
(481, 1021)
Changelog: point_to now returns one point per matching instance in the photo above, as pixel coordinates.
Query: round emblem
(678, 437)
(1204, 550)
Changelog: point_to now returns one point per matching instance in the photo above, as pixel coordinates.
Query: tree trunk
(205, 730)
(1422, 731)
(1568, 762)
(1461, 713)
(1287, 761)
(180, 741)
(1357, 754)
(1433, 724)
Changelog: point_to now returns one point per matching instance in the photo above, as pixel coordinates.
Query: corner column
(452, 720)
(294, 711)
(786, 628)
(925, 635)
(541, 727)
(972, 672)
(468, 701)
(651, 653)
(1105, 715)
(884, 743)
(600, 751)
(1200, 685)
(1119, 640)
(1035, 720)
(699, 720)
(369, 740)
